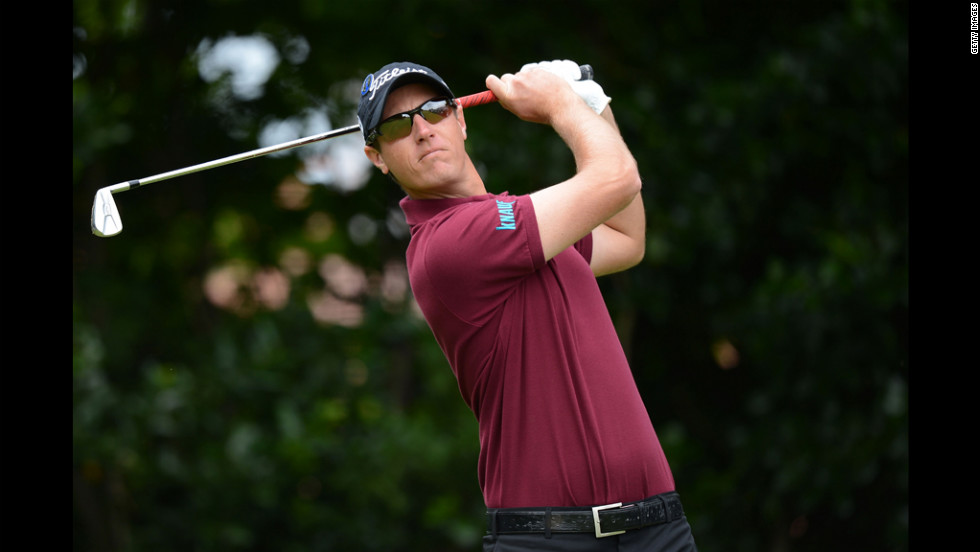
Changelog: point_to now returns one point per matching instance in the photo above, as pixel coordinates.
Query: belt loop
(677, 509)
(493, 524)
(547, 522)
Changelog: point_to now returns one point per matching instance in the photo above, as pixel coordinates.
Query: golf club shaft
(124, 186)
(466, 101)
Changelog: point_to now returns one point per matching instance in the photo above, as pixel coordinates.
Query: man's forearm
(620, 241)
(631, 221)
(601, 156)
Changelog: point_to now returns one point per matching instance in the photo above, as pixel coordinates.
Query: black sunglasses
(400, 125)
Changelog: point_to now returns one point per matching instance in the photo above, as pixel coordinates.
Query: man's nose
(420, 124)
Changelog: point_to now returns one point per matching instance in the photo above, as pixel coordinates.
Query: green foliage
(250, 372)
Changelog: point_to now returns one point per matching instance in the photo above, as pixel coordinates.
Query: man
(508, 286)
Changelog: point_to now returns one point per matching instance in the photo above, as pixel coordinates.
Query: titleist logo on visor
(372, 84)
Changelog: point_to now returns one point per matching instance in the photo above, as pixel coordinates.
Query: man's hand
(588, 90)
(536, 96)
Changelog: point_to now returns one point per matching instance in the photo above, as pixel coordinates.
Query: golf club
(106, 221)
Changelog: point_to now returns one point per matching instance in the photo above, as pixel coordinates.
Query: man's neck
(471, 185)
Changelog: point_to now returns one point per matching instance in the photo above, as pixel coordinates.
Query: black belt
(604, 521)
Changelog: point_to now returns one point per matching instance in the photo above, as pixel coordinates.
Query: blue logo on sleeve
(506, 210)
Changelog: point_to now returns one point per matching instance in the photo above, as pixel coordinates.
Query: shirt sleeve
(476, 256)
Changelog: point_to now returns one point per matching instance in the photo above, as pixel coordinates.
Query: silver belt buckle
(595, 517)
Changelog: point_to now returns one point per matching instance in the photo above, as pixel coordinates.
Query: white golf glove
(588, 90)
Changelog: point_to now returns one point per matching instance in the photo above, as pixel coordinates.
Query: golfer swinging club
(569, 459)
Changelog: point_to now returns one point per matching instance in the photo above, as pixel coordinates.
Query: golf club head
(105, 216)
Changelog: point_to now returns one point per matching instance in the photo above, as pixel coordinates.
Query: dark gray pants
(668, 537)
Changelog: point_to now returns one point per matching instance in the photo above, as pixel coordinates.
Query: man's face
(431, 161)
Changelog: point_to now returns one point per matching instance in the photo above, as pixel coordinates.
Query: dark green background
(773, 142)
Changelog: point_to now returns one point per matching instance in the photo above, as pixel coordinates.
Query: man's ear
(374, 156)
(461, 119)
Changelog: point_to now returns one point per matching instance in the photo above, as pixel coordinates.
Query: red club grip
(479, 98)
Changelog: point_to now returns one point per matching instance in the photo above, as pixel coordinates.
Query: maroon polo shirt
(535, 354)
